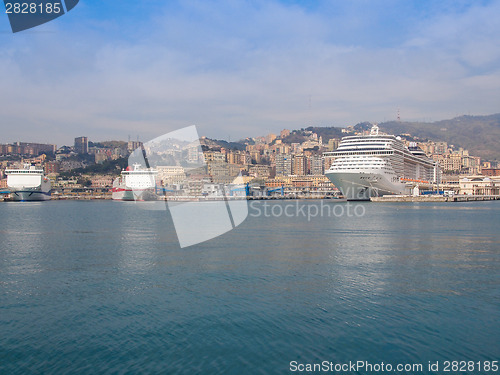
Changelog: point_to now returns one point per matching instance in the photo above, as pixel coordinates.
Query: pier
(435, 198)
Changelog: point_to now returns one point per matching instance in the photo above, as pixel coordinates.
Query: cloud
(246, 68)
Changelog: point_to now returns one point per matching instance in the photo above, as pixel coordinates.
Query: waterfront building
(224, 173)
(171, 175)
(101, 181)
(194, 187)
(479, 185)
(311, 181)
(279, 181)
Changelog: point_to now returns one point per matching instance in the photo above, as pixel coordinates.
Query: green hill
(479, 134)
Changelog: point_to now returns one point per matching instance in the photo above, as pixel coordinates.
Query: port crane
(280, 189)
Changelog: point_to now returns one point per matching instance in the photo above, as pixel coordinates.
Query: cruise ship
(28, 184)
(379, 164)
(135, 184)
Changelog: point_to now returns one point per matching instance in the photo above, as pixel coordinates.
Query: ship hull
(28, 184)
(121, 194)
(135, 185)
(365, 185)
(124, 194)
(29, 196)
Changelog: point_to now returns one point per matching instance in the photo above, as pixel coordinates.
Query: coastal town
(289, 164)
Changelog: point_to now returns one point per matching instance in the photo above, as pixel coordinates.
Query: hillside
(479, 134)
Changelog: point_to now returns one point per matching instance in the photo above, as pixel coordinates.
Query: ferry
(378, 164)
(28, 184)
(135, 184)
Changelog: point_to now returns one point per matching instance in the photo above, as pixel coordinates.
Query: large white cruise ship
(28, 184)
(135, 184)
(379, 164)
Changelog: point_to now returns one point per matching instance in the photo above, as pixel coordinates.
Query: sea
(103, 287)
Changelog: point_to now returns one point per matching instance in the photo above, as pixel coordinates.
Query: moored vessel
(135, 184)
(378, 164)
(28, 184)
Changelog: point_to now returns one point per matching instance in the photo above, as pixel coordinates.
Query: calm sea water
(103, 287)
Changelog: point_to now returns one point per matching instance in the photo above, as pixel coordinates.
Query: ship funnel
(374, 130)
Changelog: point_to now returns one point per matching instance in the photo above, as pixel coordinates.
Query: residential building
(333, 144)
(283, 164)
(52, 167)
(81, 145)
(132, 145)
(299, 164)
(27, 148)
(491, 171)
(260, 171)
(316, 165)
(170, 175)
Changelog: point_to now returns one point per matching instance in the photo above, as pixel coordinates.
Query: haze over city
(117, 68)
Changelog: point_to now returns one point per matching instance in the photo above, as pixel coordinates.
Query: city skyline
(245, 69)
(340, 131)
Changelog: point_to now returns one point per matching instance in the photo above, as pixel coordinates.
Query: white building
(480, 185)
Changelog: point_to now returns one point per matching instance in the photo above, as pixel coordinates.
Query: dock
(435, 198)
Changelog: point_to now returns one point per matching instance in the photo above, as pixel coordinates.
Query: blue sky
(109, 69)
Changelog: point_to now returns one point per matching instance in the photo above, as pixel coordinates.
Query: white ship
(28, 184)
(135, 184)
(378, 164)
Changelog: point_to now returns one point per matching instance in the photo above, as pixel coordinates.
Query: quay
(385, 198)
(435, 198)
(81, 197)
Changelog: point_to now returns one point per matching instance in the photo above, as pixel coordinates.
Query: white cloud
(242, 69)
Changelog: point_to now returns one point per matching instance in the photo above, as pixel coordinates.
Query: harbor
(250, 187)
(104, 285)
(435, 198)
(384, 198)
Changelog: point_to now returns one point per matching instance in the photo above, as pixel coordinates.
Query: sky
(118, 68)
